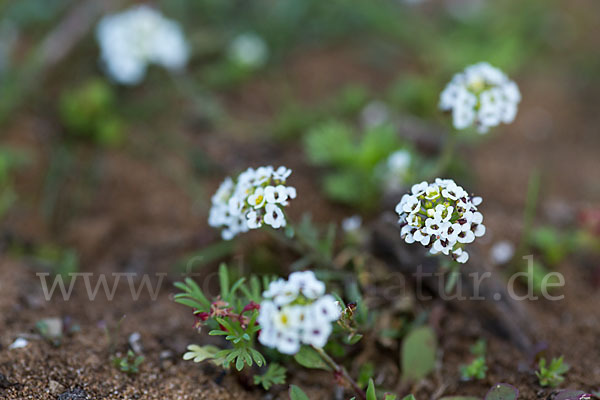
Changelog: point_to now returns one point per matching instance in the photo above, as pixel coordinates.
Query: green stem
(453, 276)
(445, 156)
(342, 371)
(533, 190)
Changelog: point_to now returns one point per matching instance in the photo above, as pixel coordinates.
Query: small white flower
(502, 252)
(412, 205)
(288, 343)
(249, 50)
(326, 309)
(434, 226)
(275, 288)
(274, 216)
(257, 199)
(403, 201)
(288, 293)
(276, 194)
(460, 255)
(465, 236)
(419, 188)
(291, 192)
(422, 237)
(450, 232)
(352, 223)
(443, 246)
(262, 175)
(443, 213)
(281, 174)
(453, 192)
(254, 220)
(413, 219)
(432, 192)
(316, 333)
(396, 169)
(308, 284)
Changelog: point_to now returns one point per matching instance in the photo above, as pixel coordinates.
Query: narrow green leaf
(371, 395)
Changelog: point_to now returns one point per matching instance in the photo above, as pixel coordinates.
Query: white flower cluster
(441, 216)
(295, 312)
(139, 36)
(256, 198)
(249, 50)
(481, 94)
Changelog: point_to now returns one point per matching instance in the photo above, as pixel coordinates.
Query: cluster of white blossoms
(139, 36)
(481, 95)
(257, 197)
(296, 312)
(441, 216)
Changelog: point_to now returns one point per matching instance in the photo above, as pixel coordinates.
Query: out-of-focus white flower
(397, 169)
(133, 39)
(481, 95)
(296, 312)
(502, 252)
(249, 50)
(374, 114)
(352, 223)
(440, 216)
(251, 201)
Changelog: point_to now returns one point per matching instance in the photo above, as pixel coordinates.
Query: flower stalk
(341, 371)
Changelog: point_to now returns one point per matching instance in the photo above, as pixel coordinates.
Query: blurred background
(86, 162)
(101, 176)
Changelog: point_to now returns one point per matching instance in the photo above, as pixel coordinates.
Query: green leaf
(201, 353)
(502, 391)
(309, 358)
(418, 354)
(409, 397)
(297, 394)
(330, 143)
(371, 395)
(274, 375)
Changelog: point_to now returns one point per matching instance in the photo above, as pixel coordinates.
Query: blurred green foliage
(351, 160)
(10, 160)
(89, 112)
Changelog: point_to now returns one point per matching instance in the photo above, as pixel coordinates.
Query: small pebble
(54, 388)
(74, 394)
